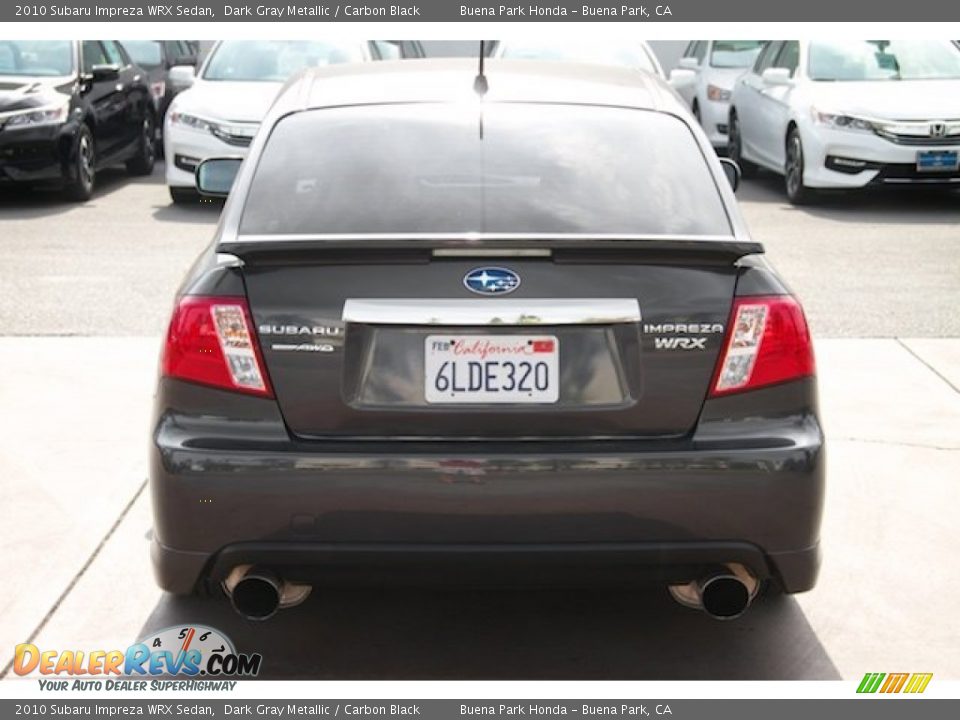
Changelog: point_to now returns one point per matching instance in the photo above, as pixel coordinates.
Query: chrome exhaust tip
(257, 593)
(723, 595)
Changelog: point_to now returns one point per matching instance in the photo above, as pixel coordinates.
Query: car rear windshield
(855, 60)
(514, 168)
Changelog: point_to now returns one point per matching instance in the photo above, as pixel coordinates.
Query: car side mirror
(215, 176)
(732, 171)
(182, 76)
(102, 73)
(689, 63)
(775, 77)
(681, 78)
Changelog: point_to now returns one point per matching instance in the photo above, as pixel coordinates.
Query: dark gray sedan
(507, 330)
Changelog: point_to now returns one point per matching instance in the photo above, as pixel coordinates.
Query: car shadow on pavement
(511, 634)
(205, 211)
(28, 203)
(895, 205)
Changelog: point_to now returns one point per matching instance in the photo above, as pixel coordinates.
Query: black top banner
(478, 11)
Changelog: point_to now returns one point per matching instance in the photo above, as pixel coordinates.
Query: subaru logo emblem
(491, 281)
(938, 129)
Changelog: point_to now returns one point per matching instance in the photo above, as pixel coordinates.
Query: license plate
(471, 369)
(937, 161)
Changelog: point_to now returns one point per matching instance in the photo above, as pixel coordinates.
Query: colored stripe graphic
(870, 682)
(918, 683)
(894, 683)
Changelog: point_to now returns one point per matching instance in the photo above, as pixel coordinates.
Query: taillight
(210, 342)
(767, 342)
(158, 89)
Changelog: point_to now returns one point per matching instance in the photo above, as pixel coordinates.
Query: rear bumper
(552, 564)
(746, 487)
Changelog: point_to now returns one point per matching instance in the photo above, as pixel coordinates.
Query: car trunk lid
(345, 334)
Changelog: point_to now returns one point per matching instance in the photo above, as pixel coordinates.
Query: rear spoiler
(694, 249)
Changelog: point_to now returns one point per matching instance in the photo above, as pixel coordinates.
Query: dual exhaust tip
(723, 595)
(257, 593)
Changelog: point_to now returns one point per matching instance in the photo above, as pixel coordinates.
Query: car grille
(921, 133)
(236, 135)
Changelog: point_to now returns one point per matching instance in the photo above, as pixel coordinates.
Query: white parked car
(220, 113)
(850, 113)
(705, 78)
(634, 54)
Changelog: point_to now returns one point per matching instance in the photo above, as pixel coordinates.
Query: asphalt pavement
(85, 291)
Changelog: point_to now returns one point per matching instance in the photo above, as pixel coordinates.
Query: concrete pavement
(75, 532)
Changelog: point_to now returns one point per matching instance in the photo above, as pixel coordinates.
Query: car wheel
(797, 192)
(735, 148)
(142, 162)
(183, 195)
(80, 187)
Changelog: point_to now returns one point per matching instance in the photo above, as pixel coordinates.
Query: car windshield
(275, 61)
(853, 60)
(37, 58)
(145, 53)
(424, 168)
(632, 55)
(735, 53)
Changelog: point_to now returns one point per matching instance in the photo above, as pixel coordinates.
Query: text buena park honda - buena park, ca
(561, 709)
(624, 11)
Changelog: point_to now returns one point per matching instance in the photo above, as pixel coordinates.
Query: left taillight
(768, 342)
(211, 341)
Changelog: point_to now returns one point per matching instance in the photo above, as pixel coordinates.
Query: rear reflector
(768, 342)
(209, 342)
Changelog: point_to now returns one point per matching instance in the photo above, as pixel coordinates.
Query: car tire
(183, 195)
(80, 187)
(735, 148)
(793, 169)
(146, 154)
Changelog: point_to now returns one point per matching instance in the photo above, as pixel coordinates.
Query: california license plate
(472, 369)
(937, 161)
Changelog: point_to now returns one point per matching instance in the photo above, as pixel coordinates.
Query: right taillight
(767, 342)
(210, 341)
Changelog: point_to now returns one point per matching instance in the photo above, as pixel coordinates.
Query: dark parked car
(158, 57)
(523, 339)
(69, 108)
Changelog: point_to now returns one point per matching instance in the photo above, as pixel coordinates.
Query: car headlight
(190, 121)
(839, 121)
(49, 115)
(717, 94)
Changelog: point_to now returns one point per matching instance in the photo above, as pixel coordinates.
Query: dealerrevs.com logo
(190, 651)
(887, 683)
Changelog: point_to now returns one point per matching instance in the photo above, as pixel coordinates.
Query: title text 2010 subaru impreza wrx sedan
(516, 336)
